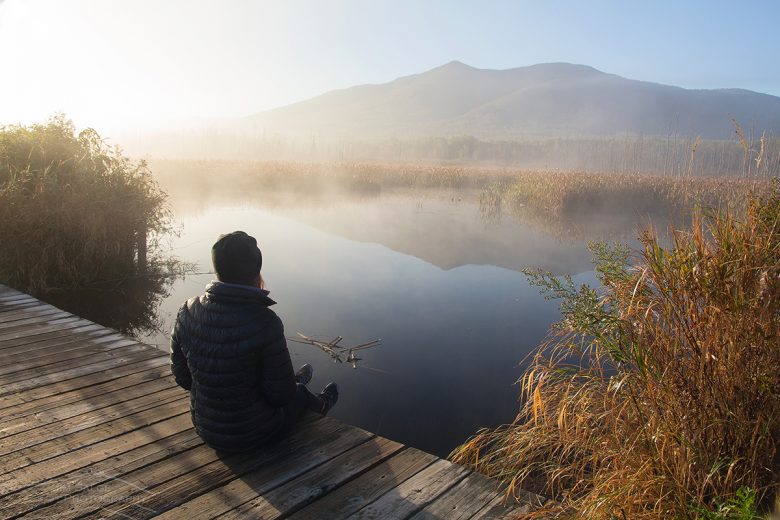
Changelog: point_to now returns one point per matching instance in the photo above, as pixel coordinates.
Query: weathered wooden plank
(25, 305)
(19, 303)
(463, 501)
(11, 366)
(413, 494)
(57, 387)
(357, 493)
(299, 453)
(10, 290)
(79, 370)
(36, 330)
(40, 452)
(117, 410)
(21, 327)
(501, 508)
(48, 482)
(35, 351)
(26, 328)
(93, 425)
(12, 296)
(10, 299)
(105, 402)
(4, 289)
(129, 348)
(158, 487)
(55, 335)
(105, 450)
(41, 310)
(5, 298)
(74, 397)
(31, 308)
(14, 317)
(318, 442)
(293, 495)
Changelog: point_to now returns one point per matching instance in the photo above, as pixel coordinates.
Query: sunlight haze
(147, 64)
(544, 236)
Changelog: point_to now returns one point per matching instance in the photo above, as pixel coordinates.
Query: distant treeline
(651, 155)
(672, 156)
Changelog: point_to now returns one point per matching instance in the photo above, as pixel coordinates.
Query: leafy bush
(658, 397)
(73, 210)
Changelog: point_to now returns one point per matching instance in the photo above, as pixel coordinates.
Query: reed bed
(657, 396)
(551, 192)
(307, 178)
(571, 193)
(72, 209)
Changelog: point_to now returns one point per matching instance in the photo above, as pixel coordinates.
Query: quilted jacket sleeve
(277, 378)
(179, 368)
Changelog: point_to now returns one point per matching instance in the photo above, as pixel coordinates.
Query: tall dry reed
(660, 396)
(72, 209)
(562, 193)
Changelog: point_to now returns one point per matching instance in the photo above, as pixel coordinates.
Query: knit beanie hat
(236, 258)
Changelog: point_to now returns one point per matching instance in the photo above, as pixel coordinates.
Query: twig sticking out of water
(338, 353)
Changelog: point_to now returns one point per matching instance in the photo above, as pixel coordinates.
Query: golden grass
(659, 398)
(553, 192)
(565, 193)
(307, 178)
(72, 209)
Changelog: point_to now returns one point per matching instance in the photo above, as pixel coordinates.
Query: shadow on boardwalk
(93, 426)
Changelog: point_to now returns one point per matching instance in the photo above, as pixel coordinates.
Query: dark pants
(303, 400)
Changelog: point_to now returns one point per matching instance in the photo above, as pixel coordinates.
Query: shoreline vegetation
(547, 193)
(313, 175)
(568, 205)
(571, 194)
(673, 154)
(82, 223)
(657, 396)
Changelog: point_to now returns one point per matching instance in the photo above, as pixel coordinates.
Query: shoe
(303, 375)
(329, 396)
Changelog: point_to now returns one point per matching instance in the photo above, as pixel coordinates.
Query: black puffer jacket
(228, 349)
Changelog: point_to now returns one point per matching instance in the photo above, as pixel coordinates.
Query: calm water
(437, 282)
(428, 274)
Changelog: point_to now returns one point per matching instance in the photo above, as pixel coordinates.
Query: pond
(428, 273)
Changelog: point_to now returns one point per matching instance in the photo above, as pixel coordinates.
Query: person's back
(228, 349)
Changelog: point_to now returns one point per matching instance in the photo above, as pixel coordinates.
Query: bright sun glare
(146, 62)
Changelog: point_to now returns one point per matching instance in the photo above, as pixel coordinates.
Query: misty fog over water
(431, 184)
(426, 272)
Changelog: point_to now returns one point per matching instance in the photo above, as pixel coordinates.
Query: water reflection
(129, 306)
(423, 271)
(426, 274)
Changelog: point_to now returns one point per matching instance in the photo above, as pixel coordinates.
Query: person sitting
(229, 351)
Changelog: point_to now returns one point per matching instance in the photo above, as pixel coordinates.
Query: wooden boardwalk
(92, 425)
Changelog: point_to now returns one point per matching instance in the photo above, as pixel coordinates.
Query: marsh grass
(552, 193)
(570, 193)
(311, 178)
(73, 210)
(659, 396)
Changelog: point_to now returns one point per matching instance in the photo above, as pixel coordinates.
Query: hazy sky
(108, 63)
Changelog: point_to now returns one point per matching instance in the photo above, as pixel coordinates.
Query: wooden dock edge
(92, 425)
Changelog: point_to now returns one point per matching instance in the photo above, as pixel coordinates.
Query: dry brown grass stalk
(660, 397)
(72, 209)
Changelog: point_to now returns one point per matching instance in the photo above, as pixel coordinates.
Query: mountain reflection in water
(426, 273)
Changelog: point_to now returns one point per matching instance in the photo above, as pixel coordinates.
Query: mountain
(551, 99)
